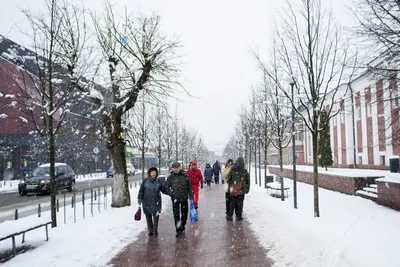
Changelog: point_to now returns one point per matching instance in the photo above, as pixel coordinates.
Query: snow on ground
(351, 231)
(338, 171)
(88, 242)
(392, 178)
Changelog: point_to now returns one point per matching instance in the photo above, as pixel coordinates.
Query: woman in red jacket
(196, 179)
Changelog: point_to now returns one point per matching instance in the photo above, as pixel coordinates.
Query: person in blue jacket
(208, 174)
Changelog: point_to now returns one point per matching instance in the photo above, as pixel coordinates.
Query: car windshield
(41, 171)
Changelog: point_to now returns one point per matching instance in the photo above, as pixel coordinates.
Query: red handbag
(138, 214)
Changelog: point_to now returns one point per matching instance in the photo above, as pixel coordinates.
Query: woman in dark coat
(150, 197)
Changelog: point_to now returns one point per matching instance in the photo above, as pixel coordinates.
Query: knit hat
(152, 169)
(176, 165)
(194, 164)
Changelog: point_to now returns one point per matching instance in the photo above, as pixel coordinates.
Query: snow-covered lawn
(351, 231)
(88, 242)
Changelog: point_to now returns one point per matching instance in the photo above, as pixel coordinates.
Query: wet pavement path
(212, 241)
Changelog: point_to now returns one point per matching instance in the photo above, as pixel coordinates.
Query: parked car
(130, 169)
(110, 172)
(39, 181)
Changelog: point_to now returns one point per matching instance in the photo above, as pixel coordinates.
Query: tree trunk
(53, 186)
(116, 145)
(315, 172)
(143, 159)
(255, 160)
(281, 170)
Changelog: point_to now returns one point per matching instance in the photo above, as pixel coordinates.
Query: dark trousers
(227, 202)
(152, 222)
(216, 178)
(180, 209)
(236, 205)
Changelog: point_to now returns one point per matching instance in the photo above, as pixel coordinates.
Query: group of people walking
(182, 186)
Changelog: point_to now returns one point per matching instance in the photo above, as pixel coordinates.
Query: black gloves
(202, 186)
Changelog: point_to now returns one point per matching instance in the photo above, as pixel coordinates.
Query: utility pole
(294, 150)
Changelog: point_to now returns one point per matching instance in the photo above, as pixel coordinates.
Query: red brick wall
(346, 185)
(389, 194)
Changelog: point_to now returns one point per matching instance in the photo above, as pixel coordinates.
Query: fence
(81, 204)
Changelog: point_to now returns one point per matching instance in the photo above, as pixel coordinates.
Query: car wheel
(22, 192)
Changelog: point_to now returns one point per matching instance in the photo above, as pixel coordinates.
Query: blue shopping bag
(193, 214)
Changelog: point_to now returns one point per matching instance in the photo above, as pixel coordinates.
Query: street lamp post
(294, 150)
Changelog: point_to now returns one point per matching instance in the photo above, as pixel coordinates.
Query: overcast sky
(216, 36)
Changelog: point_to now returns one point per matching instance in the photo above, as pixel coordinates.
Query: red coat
(195, 176)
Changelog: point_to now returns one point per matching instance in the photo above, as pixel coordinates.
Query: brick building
(365, 132)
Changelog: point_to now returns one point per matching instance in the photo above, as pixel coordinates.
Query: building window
(369, 109)
(360, 160)
(358, 113)
(382, 160)
(301, 136)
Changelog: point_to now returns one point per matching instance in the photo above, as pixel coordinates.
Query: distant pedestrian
(228, 166)
(216, 171)
(208, 174)
(237, 177)
(150, 197)
(178, 186)
(196, 179)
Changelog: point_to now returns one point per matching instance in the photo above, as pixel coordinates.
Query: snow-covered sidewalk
(351, 231)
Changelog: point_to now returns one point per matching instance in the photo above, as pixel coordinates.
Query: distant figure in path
(216, 171)
(178, 186)
(150, 197)
(237, 175)
(196, 180)
(225, 172)
(208, 174)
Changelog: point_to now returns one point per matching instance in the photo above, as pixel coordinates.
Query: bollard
(16, 214)
(72, 202)
(95, 195)
(74, 207)
(135, 184)
(98, 203)
(105, 198)
(39, 210)
(83, 203)
(65, 211)
(130, 185)
(91, 201)
(57, 205)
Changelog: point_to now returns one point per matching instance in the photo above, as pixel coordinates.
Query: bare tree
(142, 129)
(50, 74)
(137, 56)
(311, 53)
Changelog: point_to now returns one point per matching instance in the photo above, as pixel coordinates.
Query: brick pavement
(212, 241)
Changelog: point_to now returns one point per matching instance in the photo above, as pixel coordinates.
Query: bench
(23, 232)
(274, 187)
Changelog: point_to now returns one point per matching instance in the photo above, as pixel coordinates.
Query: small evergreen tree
(324, 142)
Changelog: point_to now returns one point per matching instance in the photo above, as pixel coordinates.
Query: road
(12, 201)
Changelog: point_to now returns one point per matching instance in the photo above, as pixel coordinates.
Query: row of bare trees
(110, 61)
(152, 128)
(309, 51)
